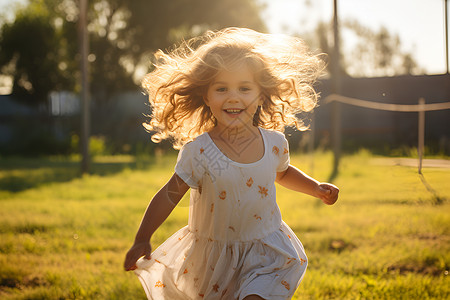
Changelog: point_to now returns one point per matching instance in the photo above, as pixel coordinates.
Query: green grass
(64, 236)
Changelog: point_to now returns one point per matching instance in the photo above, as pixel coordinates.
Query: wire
(387, 106)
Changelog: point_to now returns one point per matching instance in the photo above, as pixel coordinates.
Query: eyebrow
(242, 82)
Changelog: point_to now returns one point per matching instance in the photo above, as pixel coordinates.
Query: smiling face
(233, 97)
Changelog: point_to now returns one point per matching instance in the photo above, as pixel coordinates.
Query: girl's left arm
(294, 179)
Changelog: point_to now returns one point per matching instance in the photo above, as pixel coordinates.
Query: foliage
(31, 54)
(97, 145)
(40, 46)
(378, 53)
(375, 53)
(63, 236)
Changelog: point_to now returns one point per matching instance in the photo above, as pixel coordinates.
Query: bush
(97, 145)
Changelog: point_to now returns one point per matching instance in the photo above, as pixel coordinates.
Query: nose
(233, 96)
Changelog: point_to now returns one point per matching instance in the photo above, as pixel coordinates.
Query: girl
(224, 99)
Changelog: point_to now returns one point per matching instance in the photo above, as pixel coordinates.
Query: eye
(245, 89)
(221, 89)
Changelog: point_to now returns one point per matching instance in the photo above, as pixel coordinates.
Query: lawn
(64, 236)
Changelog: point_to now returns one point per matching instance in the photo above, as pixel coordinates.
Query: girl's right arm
(157, 211)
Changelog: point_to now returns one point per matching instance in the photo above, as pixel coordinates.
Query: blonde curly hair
(283, 67)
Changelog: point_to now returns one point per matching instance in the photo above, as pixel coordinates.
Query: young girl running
(224, 99)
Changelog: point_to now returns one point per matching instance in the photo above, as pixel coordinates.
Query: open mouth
(233, 111)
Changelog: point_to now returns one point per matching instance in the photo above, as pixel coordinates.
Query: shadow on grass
(437, 200)
(333, 175)
(18, 174)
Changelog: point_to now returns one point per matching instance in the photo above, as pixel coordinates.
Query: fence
(421, 108)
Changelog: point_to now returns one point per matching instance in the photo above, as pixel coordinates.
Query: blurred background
(65, 229)
(389, 52)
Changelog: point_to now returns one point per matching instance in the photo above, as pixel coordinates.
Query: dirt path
(411, 162)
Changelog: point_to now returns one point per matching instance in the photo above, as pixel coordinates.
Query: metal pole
(311, 143)
(85, 103)
(336, 89)
(446, 35)
(420, 146)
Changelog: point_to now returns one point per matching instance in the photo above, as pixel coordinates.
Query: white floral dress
(235, 243)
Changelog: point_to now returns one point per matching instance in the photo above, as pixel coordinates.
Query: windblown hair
(283, 67)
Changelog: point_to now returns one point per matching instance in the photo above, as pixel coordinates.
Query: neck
(229, 132)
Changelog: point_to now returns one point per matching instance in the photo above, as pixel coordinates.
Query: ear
(261, 100)
(206, 101)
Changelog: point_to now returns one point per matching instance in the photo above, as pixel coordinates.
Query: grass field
(63, 236)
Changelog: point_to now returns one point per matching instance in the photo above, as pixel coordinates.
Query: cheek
(253, 101)
(215, 103)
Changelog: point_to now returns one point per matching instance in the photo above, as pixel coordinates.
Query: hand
(328, 193)
(137, 251)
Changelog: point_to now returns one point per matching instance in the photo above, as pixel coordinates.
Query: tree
(29, 53)
(123, 33)
(40, 47)
(378, 53)
(375, 53)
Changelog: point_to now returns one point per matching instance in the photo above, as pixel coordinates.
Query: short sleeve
(283, 154)
(188, 163)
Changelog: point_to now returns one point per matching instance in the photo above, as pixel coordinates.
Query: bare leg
(253, 297)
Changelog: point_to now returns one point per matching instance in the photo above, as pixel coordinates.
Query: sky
(419, 23)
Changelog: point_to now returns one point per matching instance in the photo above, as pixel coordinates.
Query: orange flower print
(302, 261)
(262, 190)
(257, 217)
(275, 150)
(250, 182)
(201, 150)
(286, 284)
(159, 284)
(216, 288)
(223, 195)
(185, 271)
(212, 207)
(291, 259)
(285, 151)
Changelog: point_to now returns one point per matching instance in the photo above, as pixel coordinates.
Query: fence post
(311, 142)
(421, 142)
(336, 132)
